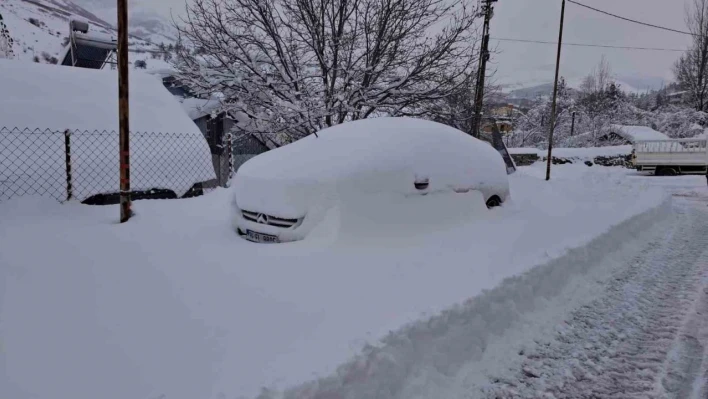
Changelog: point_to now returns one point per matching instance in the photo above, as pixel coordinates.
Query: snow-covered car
(282, 195)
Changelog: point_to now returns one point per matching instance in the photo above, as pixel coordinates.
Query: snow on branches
(294, 67)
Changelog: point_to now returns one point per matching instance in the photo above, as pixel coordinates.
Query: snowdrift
(175, 304)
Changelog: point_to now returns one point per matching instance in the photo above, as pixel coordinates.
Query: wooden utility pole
(555, 96)
(572, 125)
(482, 70)
(123, 112)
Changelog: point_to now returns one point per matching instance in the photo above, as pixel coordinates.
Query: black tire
(493, 202)
(666, 172)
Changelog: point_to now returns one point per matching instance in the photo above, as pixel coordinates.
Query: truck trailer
(670, 157)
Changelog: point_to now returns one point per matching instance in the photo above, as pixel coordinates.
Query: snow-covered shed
(208, 115)
(625, 134)
(168, 151)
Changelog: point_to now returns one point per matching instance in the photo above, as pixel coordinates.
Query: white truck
(671, 157)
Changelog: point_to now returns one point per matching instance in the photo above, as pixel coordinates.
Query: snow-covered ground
(173, 303)
(637, 329)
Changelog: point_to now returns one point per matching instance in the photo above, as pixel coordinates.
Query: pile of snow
(174, 304)
(171, 153)
(638, 133)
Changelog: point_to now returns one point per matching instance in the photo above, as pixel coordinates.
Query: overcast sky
(538, 20)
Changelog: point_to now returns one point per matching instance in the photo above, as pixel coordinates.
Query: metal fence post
(229, 143)
(67, 162)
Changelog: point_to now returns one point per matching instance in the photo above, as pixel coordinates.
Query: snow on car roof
(377, 143)
(377, 155)
(638, 133)
(58, 97)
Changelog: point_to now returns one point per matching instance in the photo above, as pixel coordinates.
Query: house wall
(202, 124)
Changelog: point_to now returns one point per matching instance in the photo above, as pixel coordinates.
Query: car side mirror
(421, 184)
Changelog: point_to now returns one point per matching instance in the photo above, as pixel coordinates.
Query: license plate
(260, 237)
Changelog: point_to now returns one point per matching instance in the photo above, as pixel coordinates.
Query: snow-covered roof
(199, 107)
(163, 72)
(58, 97)
(638, 133)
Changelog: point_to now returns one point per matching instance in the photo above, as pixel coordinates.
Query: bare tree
(292, 67)
(598, 95)
(598, 79)
(691, 69)
(456, 109)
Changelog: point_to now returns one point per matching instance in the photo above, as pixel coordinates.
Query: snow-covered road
(644, 336)
(562, 291)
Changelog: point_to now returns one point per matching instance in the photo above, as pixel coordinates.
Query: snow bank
(173, 303)
(527, 150)
(170, 152)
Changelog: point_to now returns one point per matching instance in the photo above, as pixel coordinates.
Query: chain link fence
(84, 165)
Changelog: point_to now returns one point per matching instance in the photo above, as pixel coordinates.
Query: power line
(633, 20)
(588, 45)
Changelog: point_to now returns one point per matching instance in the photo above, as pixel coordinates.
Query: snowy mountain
(145, 21)
(39, 27)
(40, 30)
(628, 84)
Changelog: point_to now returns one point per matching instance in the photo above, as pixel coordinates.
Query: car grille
(270, 220)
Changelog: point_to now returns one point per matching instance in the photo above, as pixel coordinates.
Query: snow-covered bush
(6, 41)
(679, 122)
(594, 114)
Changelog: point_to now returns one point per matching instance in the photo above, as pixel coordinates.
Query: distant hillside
(144, 21)
(628, 84)
(40, 30)
(530, 93)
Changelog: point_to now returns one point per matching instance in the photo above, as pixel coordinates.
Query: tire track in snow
(641, 339)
